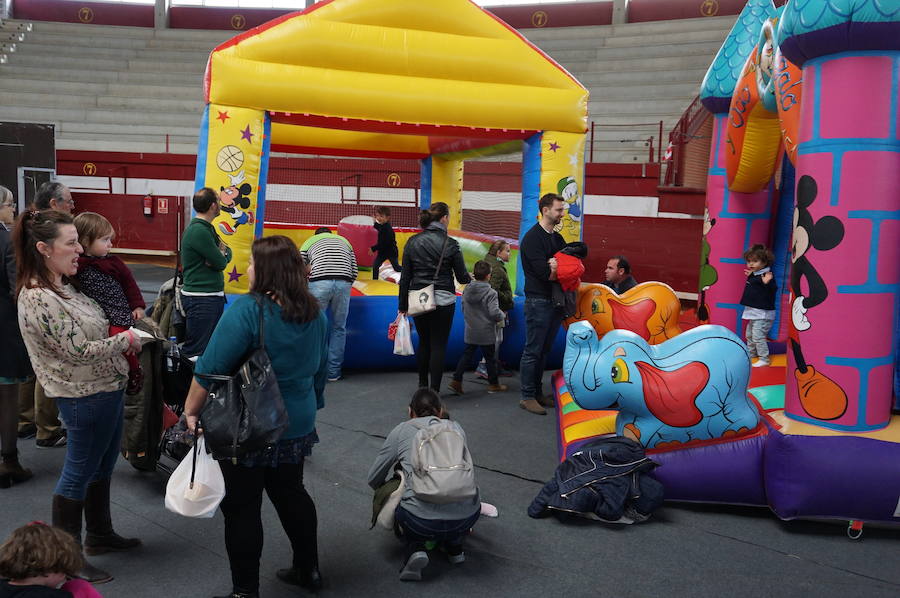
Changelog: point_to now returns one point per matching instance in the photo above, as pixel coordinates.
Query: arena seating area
(139, 89)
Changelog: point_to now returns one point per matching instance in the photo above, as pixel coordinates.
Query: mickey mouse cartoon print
(821, 397)
(233, 201)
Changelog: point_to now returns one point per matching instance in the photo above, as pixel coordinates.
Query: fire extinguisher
(148, 205)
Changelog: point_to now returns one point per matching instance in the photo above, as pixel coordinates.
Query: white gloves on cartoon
(798, 314)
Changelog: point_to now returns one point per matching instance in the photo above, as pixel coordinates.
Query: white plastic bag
(403, 340)
(201, 497)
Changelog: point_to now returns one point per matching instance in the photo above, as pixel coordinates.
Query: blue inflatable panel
(368, 347)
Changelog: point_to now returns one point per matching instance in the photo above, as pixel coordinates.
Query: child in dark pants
(108, 281)
(481, 310)
(758, 300)
(385, 249)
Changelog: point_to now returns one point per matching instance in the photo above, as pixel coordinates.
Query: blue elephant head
(691, 387)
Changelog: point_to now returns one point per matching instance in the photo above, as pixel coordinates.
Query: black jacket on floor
(601, 481)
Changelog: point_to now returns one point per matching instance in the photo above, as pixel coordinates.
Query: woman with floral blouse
(65, 333)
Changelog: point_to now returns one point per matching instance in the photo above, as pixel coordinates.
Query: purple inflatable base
(727, 472)
(840, 477)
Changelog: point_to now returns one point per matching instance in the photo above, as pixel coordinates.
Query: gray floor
(684, 550)
(681, 551)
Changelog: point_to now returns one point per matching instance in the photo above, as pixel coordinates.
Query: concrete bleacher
(140, 89)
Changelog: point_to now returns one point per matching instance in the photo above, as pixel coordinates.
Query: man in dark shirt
(542, 317)
(618, 274)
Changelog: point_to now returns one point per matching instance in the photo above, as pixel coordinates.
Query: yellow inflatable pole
(442, 180)
(562, 172)
(232, 159)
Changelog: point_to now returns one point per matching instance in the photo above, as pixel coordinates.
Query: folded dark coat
(601, 481)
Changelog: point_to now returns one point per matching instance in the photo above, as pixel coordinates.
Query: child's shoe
(412, 568)
(455, 554)
(761, 362)
(135, 381)
(456, 387)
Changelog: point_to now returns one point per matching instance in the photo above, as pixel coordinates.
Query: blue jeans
(202, 313)
(542, 321)
(94, 425)
(449, 531)
(334, 296)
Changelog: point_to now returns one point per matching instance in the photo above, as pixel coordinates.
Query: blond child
(108, 281)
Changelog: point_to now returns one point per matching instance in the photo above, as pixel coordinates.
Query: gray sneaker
(412, 570)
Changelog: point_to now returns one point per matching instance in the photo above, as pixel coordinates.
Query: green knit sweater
(201, 259)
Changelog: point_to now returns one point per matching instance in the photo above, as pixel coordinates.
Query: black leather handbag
(244, 412)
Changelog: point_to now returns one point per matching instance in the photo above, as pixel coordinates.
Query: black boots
(100, 537)
(310, 580)
(11, 471)
(67, 516)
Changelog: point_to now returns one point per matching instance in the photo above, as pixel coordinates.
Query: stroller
(155, 435)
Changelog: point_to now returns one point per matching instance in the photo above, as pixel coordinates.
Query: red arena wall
(240, 19)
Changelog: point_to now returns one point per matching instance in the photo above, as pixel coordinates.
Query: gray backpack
(442, 469)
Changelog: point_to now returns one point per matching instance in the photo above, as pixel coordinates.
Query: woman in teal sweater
(292, 320)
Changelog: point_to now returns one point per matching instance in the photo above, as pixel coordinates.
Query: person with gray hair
(7, 208)
(53, 195)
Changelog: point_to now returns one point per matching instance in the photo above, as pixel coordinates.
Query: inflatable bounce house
(805, 158)
(441, 82)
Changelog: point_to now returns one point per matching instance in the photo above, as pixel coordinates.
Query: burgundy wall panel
(133, 229)
(88, 13)
(682, 199)
(235, 19)
(555, 15)
(662, 249)
(662, 10)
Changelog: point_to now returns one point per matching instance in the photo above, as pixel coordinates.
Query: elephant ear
(670, 395)
(633, 316)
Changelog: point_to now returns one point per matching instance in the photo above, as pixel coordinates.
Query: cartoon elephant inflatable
(688, 389)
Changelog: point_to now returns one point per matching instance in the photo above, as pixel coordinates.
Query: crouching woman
(424, 520)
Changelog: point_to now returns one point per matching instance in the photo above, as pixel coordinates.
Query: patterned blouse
(68, 344)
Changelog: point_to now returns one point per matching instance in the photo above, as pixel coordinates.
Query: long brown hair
(32, 228)
(280, 273)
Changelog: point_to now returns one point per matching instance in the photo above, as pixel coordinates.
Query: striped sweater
(330, 257)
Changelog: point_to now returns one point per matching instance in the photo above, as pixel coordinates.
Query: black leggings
(380, 258)
(243, 524)
(433, 329)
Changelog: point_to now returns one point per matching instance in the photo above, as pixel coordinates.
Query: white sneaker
(761, 363)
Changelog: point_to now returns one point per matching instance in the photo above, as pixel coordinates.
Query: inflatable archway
(438, 81)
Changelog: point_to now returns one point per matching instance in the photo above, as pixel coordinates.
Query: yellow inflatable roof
(404, 78)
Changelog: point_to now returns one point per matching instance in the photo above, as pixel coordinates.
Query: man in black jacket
(542, 317)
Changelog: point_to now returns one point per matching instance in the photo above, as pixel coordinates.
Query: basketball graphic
(230, 158)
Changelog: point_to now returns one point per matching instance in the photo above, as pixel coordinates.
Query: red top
(568, 271)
